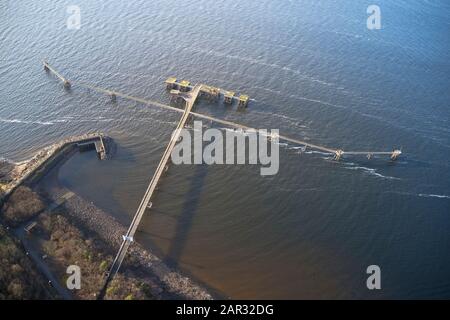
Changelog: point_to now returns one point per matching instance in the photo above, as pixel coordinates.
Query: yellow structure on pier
(243, 100)
(210, 92)
(171, 83)
(184, 85)
(228, 96)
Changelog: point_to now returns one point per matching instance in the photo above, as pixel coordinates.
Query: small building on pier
(171, 83)
(209, 92)
(243, 100)
(184, 86)
(228, 97)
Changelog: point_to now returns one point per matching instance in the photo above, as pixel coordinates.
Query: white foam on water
(44, 123)
(423, 195)
(442, 196)
(3, 159)
(19, 121)
(370, 171)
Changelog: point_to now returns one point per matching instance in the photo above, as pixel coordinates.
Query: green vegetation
(18, 277)
(103, 266)
(126, 288)
(67, 245)
(64, 244)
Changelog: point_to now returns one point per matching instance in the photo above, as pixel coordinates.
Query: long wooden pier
(128, 238)
(189, 95)
(113, 94)
(338, 153)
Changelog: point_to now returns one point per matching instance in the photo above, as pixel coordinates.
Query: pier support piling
(338, 154)
(395, 154)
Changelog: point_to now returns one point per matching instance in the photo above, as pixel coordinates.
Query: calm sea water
(316, 72)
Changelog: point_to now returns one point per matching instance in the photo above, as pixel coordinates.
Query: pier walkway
(128, 238)
(336, 152)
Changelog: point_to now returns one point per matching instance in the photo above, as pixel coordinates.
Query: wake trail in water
(369, 171)
(441, 196)
(39, 122)
(421, 195)
(373, 172)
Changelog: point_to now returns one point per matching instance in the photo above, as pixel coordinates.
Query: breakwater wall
(33, 170)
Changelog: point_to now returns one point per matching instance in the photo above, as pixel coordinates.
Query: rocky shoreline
(166, 283)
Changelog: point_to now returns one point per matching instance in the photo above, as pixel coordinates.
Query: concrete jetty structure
(35, 168)
(97, 144)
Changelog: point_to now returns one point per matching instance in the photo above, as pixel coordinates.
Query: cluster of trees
(64, 244)
(67, 245)
(18, 278)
